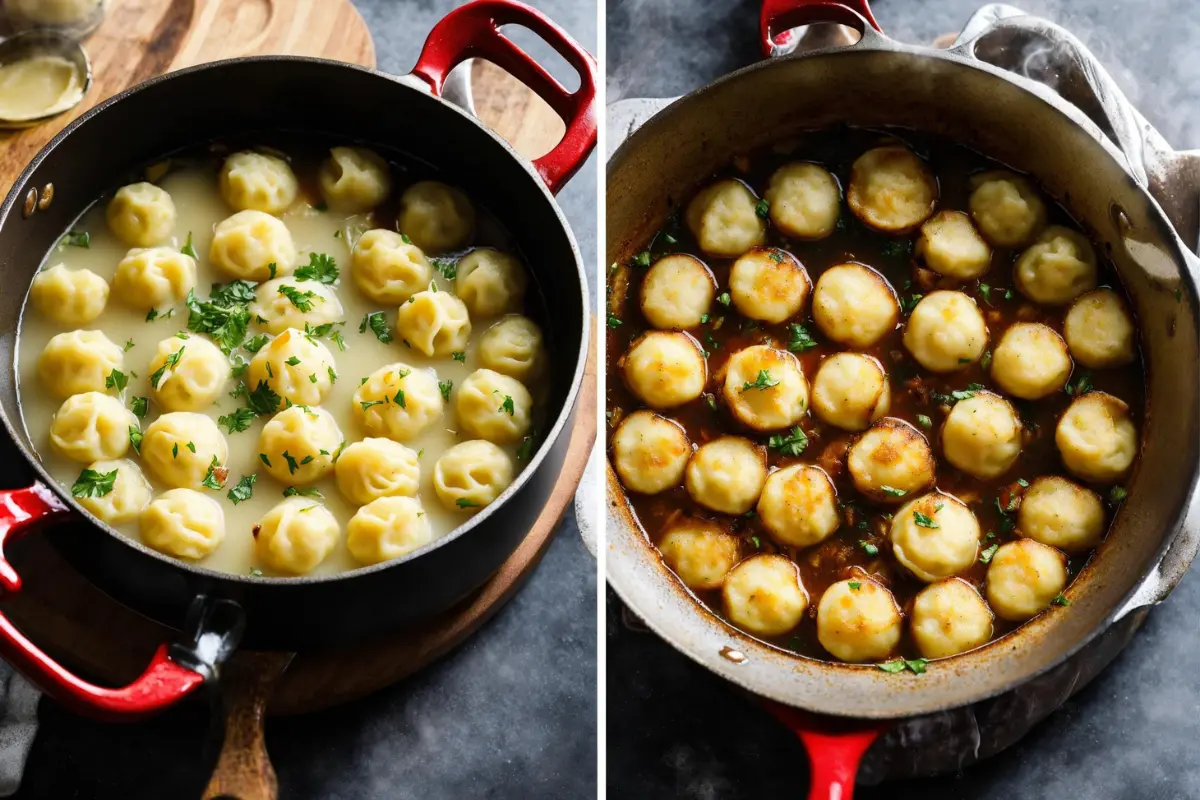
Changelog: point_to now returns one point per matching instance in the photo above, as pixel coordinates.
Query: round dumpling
(650, 452)
(799, 506)
(1062, 514)
(257, 182)
(183, 448)
(935, 536)
(183, 523)
(514, 347)
(375, 468)
(769, 284)
(491, 283)
(188, 374)
(388, 268)
(1099, 330)
(287, 303)
(92, 427)
(950, 246)
(1023, 579)
(354, 179)
(890, 461)
(437, 217)
(141, 215)
(298, 443)
(154, 277)
(851, 391)
(295, 536)
(763, 595)
(1031, 361)
(387, 528)
(891, 189)
(854, 305)
(434, 323)
(665, 369)
(398, 402)
(1096, 437)
(298, 368)
(69, 297)
(946, 332)
(125, 500)
(78, 361)
(1006, 208)
(724, 219)
(858, 620)
(677, 292)
(699, 553)
(949, 617)
(494, 407)
(471, 475)
(982, 435)
(727, 474)
(805, 200)
(1057, 268)
(765, 388)
(245, 246)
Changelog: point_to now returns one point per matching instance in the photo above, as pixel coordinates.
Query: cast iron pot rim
(564, 414)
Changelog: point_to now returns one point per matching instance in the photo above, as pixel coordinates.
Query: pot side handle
(473, 31)
(835, 748)
(779, 17)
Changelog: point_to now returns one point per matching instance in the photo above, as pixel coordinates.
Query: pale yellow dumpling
(946, 332)
(950, 246)
(890, 461)
(182, 448)
(769, 284)
(491, 283)
(982, 435)
(434, 323)
(69, 297)
(1057, 268)
(891, 189)
(78, 361)
(141, 215)
(650, 452)
(1023, 579)
(51, 13)
(154, 277)
(494, 407)
(854, 305)
(1031, 361)
(288, 303)
(677, 291)
(851, 391)
(765, 388)
(764, 596)
(727, 474)
(471, 475)
(1099, 330)
(375, 468)
(699, 553)
(514, 346)
(377, 404)
(387, 528)
(193, 373)
(257, 182)
(183, 523)
(935, 536)
(1061, 514)
(354, 179)
(799, 506)
(388, 269)
(665, 369)
(92, 427)
(858, 620)
(805, 200)
(245, 246)
(299, 443)
(724, 219)
(296, 535)
(949, 617)
(437, 217)
(1096, 437)
(1006, 208)
(129, 495)
(297, 367)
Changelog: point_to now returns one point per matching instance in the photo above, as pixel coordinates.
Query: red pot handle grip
(473, 31)
(164, 682)
(835, 748)
(779, 17)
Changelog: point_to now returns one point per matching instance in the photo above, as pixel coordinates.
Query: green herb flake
(924, 421)
(262, 401)
(117, 380)
(763, 382)
(377, 322)
(306, 491)
(1080, 386)
(175, 450)
(909, 303)
(914, 665)
(189, 249)
(215, 477)
(855, 585)
(135, 439)
(924, 521)
(404, 238)
(892, 492)
(614, 321)
(320, 268)
(303, 301)
(868, 548)
(243, 490)
(128, 345)
(986, 292)
(799, 339)
(642, 259)
(237, 421)
(1117, 495)
(775, 256)
(1061, 599)
(986, 361)
(140, 406)
(459, 357)
(191, 446)
(94, 484)
(78, 239)
(255, 572)
(444, 387)
(291, 462)
(792, 444)
(365, 404)
(463, 502)
(762, 208)
(263, 457)
(224, 316)
(507, 406)
(986, 556)
(724, 298)
(257, 343)
(399, 399)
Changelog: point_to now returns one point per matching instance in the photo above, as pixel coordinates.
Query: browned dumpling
(891, 461)
(665, 369)
(891, 189)
(854, 305)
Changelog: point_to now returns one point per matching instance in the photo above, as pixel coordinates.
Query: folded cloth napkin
(18, 725)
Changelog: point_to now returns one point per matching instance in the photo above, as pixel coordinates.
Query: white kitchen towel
(18, 726)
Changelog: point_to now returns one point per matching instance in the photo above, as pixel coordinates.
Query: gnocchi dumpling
(1031, 361)
(891, 189)
(491, 283)
(188, 374)
(798, 506)
(1061, 514)
(75, 362)
(297, 367)
(850, 391)
(375, 468)
(92, 427)
(1023, 579)
(471, 475)
(183, 448)
(1006, 208)
(890, 461)
(354, 179)
(398, 402)
(298, 443)
(935, 536)
(69, 297)
(141, 215)
(764, 595)
(388, 268)
(982, 435)
(858, 620)
(1057, 268)
(765, 388)
(946, 332)
(246, 245)
(727, 474)
(1099, 330)
(514, 347)
(650, 452)
(387, 528)
(129, 494)
(699, 553)
(854, 305)
(950, 246)
(494, 407)
(257, 182)
(154, 277)
(665, 369)
(1096, 437)
(183, 523)
(805, 200)
(724, 219)
(769, 284)
(287, 303)
(949, 617)
(437, 217)
(677, 292)
(434, 323)
(295, 536)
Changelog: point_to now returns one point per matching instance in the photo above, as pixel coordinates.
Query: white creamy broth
(192, 186)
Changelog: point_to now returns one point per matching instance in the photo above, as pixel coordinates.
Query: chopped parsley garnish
(711, 400)
(799, 339)
(892, 492)
(924, 421)
(896, 248)
(1117, 495)
(775, 256)
(525, 449)
(135, 439)
(291, 462)
(224, 316)
(614, 321)
(762, 208)
(94, 484)
(957, 395)
(272, 268)
(404, 238)
(986, 556)
(448, 267)
(301, 300)
(128, 345)
(293, 361)
(170, 363)
(507, 406)
(153, 314)
(869, 548)
(261, 401)
(238, 421)
(1008, 295)
(244, 490)
(264, 459)
(238, 366)
(320, 268)
(188, 248)
(256, 343)
(907, 305)
(255, 572)
(762, 382)
(1022, 483)
(914, 665)
(377, 322)
(306, 491)
(215, 477)
(116, 380)
(986, 361)
(724, 298)
(140, 406)
(855, 585)
(399, 399)
(1061, 599)
(463, 502)
(191, 446)
(986, 291)
(1081, 385)
(642, 259)
(792, 444)
(924, 521)
(78, 239)
(459, 357)
(704, 319)
(329, 330)
(445, 387)
(175, 450)
(368, 403)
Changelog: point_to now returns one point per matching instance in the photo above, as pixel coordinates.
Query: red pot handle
(779, 17)
(835, 748)
(473, 31)
(164, 682)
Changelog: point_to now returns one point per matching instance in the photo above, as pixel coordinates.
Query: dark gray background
(510, 714)
(674, 729)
